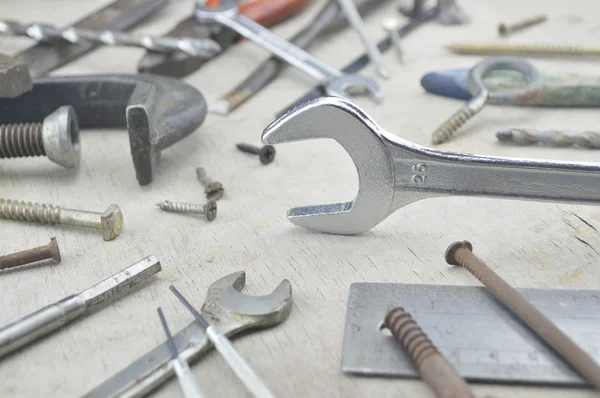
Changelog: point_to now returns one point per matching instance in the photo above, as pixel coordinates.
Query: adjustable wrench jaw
(336, 118)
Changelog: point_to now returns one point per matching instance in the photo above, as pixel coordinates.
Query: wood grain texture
(530, 244)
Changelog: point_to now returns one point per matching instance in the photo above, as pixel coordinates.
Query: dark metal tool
(180, 64)
(362, 61)
(474, 331)
(461, 254)
(158, 111)
(46, 252)
(35, 325)
(329, 18)
(119, 15)
(434, 368)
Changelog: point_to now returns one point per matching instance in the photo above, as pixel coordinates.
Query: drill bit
(164, 44)
(557, 138)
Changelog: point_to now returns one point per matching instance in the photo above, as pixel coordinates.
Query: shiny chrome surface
(393, 172)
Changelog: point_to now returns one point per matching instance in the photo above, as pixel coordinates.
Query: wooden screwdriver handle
(267, 12)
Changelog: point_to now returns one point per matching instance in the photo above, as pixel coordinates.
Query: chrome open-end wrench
(393, 172)
(335, 82)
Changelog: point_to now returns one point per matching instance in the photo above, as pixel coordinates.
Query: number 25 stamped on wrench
(335, 82)
(393, 172)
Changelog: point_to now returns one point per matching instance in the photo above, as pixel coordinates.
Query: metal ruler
(119, 15)
(479, 336)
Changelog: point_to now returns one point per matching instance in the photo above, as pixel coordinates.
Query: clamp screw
(266, 153)
(209, 210)
(214, 190)
(110, 222)
(49, 251)
(57, 138)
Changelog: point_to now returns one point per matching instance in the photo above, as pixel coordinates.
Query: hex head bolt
(461, 254)
(49, 251)
(110, 222)
(433, 367)
(209, 210)
(57, 138)
(213, 189)
(265, 153)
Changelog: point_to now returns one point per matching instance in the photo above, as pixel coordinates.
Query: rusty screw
(461, 254)
(434, 368)
(213, 189)
(49, 251)
(507, 29)
(266, 153)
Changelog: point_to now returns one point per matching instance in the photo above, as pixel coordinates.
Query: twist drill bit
(46, 33)
(558, 138)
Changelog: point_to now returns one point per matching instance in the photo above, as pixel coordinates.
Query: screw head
(210, 210)
(390, 24)
(450, 254)
(214, 191)
(267, 154)
(112, 222)
(53, 250)
(60, 136)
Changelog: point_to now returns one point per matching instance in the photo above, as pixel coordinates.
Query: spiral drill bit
(164, 44)
(209, 210)
(557, 138)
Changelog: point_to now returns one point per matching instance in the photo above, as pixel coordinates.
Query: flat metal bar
(482, 339)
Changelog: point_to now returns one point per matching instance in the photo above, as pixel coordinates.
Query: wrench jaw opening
(339, 119)
(224, 303)
(346, 86)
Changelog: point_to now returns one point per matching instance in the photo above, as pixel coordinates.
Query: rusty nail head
(450, 254)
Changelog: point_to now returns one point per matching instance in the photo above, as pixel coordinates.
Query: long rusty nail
(434, 368)
(49, 251)
(461, 254)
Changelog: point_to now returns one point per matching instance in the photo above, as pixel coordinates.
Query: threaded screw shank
(21, 140)
(209, 209)
(435, 370)
(28, 211)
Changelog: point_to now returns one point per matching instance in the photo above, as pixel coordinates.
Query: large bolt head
(60, 136)
(112, 222)
(14, 77)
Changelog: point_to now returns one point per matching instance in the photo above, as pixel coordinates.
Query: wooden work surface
(541, 245)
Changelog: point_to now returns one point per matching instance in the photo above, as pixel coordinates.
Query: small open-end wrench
(224, 306)
(393, 172)
(335, 82)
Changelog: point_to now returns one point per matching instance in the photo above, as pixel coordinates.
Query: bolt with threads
(209, 210)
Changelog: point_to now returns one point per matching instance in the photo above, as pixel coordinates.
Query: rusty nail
(461, 254)
(49, 251)
(433, 367)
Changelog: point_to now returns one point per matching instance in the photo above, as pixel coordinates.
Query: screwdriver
(184, 374)
(241, 368)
